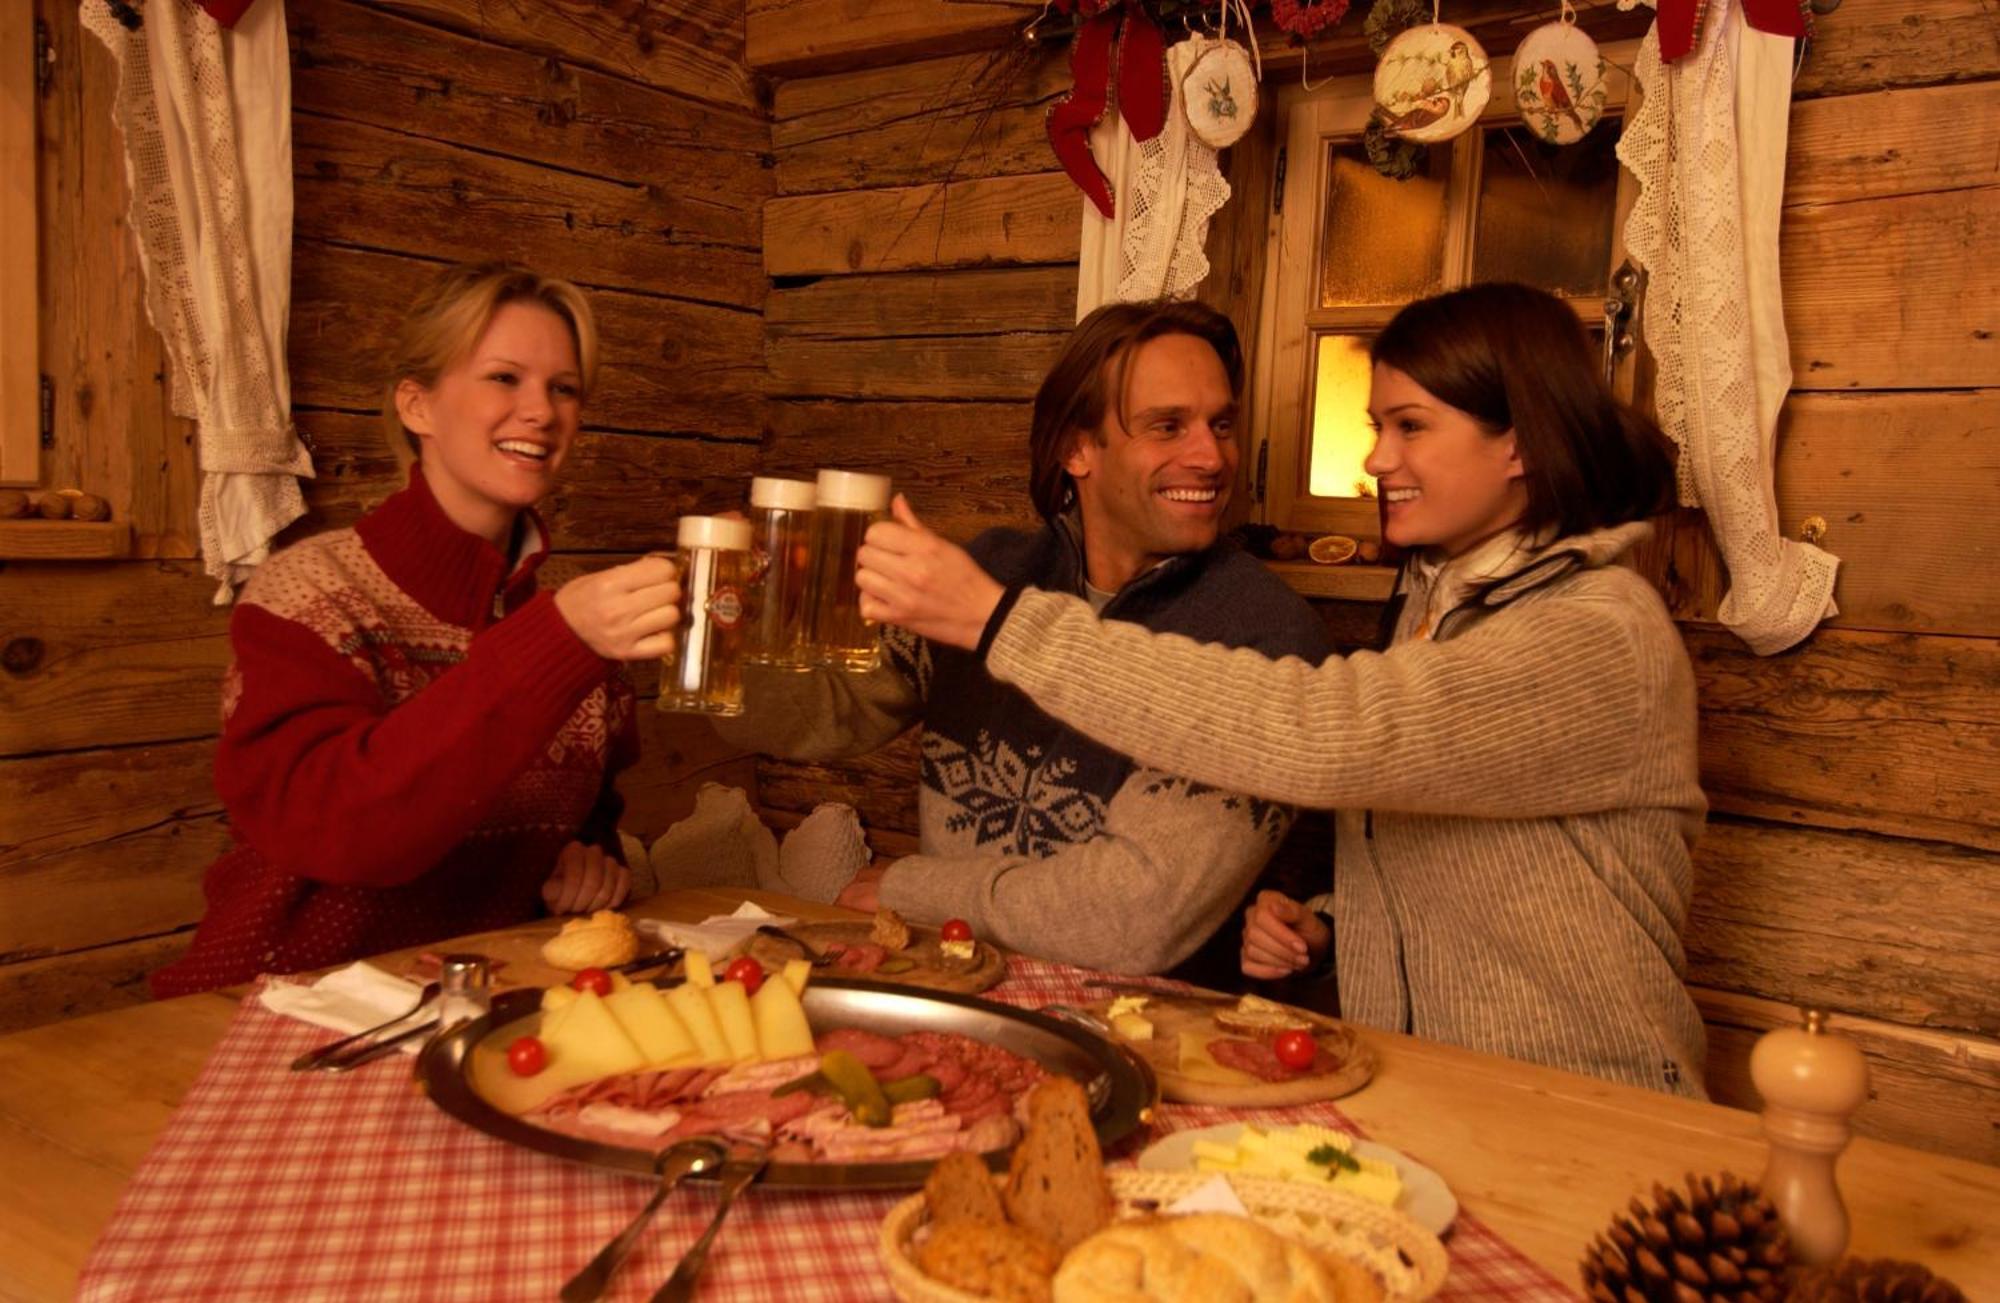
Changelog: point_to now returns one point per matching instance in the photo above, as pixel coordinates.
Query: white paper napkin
(718, 934)
(349, 999)
(1212, 1196)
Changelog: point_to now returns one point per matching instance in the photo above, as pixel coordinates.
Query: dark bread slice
(1055, 1184)
(961, 1189)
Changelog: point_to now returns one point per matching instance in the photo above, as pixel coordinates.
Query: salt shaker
(464, 990)
(1811, 1082)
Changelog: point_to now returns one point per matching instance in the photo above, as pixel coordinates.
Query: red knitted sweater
(411, 733)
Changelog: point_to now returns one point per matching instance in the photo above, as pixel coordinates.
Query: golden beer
(781, 516)
(849, 503)
(705, 675)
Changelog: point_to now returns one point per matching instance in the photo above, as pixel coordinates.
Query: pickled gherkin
(857, 1087)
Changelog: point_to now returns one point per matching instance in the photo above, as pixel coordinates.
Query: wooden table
(1544, 1156)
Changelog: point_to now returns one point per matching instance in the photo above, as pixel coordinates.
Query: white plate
(1426, 1198)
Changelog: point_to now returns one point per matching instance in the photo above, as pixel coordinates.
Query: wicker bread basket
(1331, 1221)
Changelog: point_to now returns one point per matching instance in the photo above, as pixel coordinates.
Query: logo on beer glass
(726, 607)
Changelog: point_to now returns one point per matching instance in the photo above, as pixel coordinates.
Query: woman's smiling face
(498, 425)
(1444, 479)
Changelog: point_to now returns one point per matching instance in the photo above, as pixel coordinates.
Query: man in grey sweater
(1043, 840)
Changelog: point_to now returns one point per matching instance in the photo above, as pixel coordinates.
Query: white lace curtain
(1164, 193)
(1708, 148)
(206, 119)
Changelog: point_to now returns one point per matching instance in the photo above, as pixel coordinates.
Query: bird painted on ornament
(1422, 114)
(1458, 73)
(1556, 95)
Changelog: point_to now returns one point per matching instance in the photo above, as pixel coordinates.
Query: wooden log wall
(922, 249)
(625, 147)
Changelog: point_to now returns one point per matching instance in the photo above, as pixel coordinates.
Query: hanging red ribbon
(1071, 117)
(1141, 56)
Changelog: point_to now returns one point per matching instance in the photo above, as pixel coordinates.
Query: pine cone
(1719, 1241)
(1875, 1280)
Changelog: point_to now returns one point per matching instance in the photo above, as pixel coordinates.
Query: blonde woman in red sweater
(417, 743)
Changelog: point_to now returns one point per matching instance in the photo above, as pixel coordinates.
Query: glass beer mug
(849, 502)
(705, 675)
(781, 516)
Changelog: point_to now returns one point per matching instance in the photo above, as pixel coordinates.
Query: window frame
(1284, 371)
(20, 297)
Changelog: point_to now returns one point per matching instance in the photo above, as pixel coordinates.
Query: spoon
(687, 1157)
(736, 1173)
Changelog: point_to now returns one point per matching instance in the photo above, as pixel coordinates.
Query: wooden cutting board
(930, 970)
(1171, 1017)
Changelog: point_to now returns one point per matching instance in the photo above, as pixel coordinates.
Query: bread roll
(604, 940)
(1205, 1258)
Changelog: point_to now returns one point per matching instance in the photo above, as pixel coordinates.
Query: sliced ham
(872, 1048)
(856, 956)
(915, 1060)
(1260, 1060)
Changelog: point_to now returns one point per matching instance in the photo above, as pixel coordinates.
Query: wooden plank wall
(923, 253)
(625, 147)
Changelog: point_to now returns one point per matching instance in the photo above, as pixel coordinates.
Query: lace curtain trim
(188, 214)
(1166, 191)
(1713, 324)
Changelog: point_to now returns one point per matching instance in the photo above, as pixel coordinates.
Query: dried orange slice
(1332, 549)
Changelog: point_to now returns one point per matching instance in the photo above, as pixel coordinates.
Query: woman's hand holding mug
(625, 613)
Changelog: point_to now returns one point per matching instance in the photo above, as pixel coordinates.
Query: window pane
(1545, 211)
(1384, 239)
(1341, 435)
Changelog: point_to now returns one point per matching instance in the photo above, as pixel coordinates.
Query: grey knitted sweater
(1518, 797)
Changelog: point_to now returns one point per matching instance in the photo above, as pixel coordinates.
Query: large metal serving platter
(1121, 1087)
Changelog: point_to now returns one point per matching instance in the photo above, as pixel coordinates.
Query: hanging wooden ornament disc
(1559, 83)
(1432, 83)
(1220, 93)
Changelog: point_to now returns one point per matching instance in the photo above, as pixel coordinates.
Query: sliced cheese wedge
(653, 1026)
(782, 1029)
(691, 1004)
(732, 1010)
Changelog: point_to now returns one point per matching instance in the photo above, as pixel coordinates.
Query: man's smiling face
(1154, 480)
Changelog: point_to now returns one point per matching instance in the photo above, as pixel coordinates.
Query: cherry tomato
(1296, 1049)
(956, 929)
(527, 1056)
(592, 979)
(747, 971)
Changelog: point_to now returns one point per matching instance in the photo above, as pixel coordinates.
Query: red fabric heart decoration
(1071, 117)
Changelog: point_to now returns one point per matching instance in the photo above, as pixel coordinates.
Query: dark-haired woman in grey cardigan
(1515, 774)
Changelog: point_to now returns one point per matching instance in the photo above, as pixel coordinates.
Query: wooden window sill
(1347, 583)
(65, 540)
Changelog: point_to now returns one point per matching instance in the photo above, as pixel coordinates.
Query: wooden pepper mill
(1811, 1082)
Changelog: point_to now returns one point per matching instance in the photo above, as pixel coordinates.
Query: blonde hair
(453, 311)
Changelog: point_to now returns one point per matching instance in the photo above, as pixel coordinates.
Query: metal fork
(333, 1055)
(672, 1165)
(737, 1173)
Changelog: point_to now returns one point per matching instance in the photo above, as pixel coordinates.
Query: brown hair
(1077, 390)
(1514, 357)
(449, 315)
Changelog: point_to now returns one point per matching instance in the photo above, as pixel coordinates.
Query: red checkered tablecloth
(272, 1184)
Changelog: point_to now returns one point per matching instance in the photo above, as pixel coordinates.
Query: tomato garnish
(747, 971)
(956, 929)
(592, 979)
(1296, 1049)
(527, 1056)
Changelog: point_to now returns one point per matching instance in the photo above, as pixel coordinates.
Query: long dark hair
(1078, 389)
(1514, 357)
